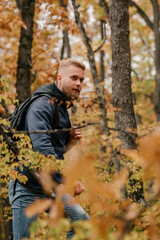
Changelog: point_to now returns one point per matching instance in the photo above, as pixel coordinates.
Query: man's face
(70, 81)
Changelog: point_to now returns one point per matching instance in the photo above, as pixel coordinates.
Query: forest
(118, 112)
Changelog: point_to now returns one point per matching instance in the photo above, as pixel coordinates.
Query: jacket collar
(56, 93)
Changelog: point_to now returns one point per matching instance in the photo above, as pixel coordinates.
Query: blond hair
(71, 61)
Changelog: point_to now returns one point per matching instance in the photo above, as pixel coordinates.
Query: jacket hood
(52, 90)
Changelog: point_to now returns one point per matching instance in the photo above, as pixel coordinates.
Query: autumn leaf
(56, 211)
(46, 180)
(38, 206)
(132, 212)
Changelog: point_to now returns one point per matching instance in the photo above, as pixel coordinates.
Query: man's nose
(78, 82)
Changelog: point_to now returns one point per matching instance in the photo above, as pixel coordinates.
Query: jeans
(21, 197)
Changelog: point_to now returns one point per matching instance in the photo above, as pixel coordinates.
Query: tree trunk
(121, 72)
(24, 57)
(157, 58)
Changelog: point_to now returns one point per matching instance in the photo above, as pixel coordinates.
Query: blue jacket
(39, 117)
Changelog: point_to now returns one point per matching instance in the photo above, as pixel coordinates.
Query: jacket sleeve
(39, 117)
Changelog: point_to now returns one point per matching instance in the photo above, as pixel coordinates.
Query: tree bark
(157, 58)
(121, 72)
(24, 57)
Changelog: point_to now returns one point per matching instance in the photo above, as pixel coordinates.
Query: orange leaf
(38, 206)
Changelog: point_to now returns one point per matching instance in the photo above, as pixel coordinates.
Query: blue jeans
(22, 197)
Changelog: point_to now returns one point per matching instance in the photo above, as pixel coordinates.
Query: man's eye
(74, 77)
(81, 80)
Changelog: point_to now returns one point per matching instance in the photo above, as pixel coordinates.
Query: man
(39, 117)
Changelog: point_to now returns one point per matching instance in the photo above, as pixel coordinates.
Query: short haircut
(71, 61)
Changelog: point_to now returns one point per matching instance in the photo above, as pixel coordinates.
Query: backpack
(18, 116)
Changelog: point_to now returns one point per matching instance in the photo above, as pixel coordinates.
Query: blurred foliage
(112, 217)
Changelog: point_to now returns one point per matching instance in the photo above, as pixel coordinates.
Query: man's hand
(78, 189)
(75, 135)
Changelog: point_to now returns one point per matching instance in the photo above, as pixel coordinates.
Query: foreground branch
(53, 130)
(11, 131)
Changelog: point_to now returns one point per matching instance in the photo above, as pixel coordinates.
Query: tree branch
(101, 99)
(11, 131)
(53, 130)
(104, 39)
(151, 2)
(142, 14)
(19, 4)
(105, 6)
(149, 50)
(66, 44)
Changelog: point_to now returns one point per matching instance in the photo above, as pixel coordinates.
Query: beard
(71, 94)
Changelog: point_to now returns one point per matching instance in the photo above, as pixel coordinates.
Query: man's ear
(59, 80)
